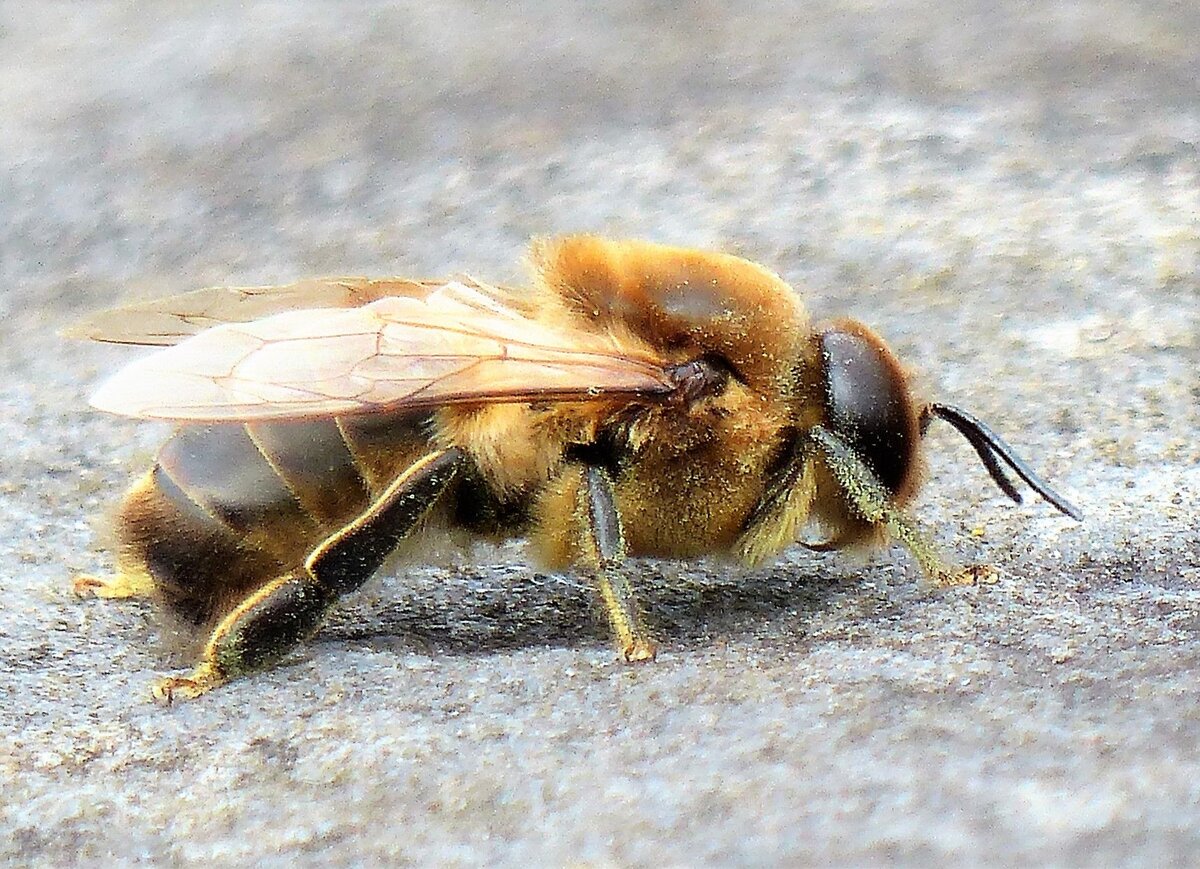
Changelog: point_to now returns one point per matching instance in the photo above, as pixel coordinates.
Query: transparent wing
(456, 344)
(166, 321)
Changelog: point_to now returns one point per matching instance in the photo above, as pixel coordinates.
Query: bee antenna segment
(992, 451)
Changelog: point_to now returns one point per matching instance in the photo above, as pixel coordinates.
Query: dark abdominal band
(230, 507)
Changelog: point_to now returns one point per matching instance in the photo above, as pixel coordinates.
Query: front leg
(273, 619)
(871, 500)
(604, 548)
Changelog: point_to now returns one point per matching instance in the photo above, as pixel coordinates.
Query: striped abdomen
(227, 508)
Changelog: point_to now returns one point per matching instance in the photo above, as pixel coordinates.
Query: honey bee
(636, 400)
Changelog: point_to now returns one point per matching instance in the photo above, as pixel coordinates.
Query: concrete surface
(1008, 192)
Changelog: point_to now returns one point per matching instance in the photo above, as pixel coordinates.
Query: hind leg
(272, 620)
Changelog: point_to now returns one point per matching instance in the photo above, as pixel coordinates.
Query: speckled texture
(1008, 192)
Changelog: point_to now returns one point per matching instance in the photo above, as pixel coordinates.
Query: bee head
(869, 406)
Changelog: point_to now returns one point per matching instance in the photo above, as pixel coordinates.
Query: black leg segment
(345, 560)
(272, 620)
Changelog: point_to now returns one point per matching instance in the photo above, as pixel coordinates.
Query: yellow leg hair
(623, 618)
(872, 501)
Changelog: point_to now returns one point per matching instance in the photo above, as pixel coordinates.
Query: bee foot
(111, 587)
(972, 574)
(640, 650)
(86, 585)
(171, 688)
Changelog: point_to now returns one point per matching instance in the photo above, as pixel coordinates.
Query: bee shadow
(503, 608)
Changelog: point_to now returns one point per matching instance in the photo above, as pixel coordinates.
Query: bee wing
(166, 321)
(457, 344)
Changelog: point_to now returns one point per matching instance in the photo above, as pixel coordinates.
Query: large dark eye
(867, 403)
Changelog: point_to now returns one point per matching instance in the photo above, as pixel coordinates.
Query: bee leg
(605, 545)
(275, 618)
(120, 585)
(873, 503)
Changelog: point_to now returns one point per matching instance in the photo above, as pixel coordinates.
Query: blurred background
(1008, 191)
(816, 136)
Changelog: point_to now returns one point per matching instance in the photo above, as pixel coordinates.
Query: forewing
(166, 321)
(456, 344)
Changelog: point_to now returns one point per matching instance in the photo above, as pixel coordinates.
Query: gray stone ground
(1009, 192)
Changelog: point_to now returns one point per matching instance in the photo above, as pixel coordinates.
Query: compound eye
(868, 405)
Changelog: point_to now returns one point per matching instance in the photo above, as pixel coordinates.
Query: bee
(635, 401)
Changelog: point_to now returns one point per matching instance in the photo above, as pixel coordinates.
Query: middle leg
(604, 547)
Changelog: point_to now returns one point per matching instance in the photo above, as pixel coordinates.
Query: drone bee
(636, 400)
